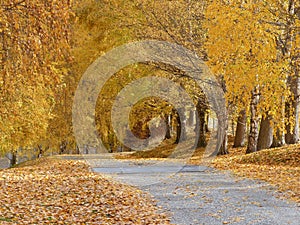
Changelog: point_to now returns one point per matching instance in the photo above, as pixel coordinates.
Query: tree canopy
(253, 47)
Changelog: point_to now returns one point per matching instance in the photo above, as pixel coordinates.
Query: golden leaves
(241, 46)
(34, 36)
(65, 192)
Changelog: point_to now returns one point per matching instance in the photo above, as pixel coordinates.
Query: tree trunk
(253, 133)
(168, 120)
(240, 133)
(201, 128)
(40, 151)
(13, 159)
(286, 46)
(206, 123)
(77, 149)
(265, 137)
(178, 129)
(224, 147)
(63, 147)
(292, 127)
(181, 134)
(278, 139)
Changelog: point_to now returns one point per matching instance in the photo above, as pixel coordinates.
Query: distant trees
(99, 28)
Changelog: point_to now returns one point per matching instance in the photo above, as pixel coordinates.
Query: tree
(243, 49)
(285, 17)
(34, 45)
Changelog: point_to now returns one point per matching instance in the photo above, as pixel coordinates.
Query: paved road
(202, 195)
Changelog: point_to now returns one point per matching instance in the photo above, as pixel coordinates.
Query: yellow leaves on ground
(65, 192)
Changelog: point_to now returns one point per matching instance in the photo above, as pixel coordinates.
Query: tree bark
(13, 159)
(168, 119)
(77, 151)
(206, 123)
(40, 151)
(201, 126)
(278, 139)
(292, 127)
(253, 133)
(240, 133)
(178, 129)
(181, 126)
(63, 147)
(265, 137)
(224, 147)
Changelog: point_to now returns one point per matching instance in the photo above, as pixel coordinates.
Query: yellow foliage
(34, 46)
(242, 47)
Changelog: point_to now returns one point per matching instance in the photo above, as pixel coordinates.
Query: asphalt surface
(202, 195)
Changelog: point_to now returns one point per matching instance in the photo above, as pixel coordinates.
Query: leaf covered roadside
(66, 192)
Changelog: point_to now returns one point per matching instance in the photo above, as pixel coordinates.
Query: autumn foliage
(34, 46)
(253, 47)
(65, 192)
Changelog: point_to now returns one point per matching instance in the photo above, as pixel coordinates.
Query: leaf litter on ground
(52, 191)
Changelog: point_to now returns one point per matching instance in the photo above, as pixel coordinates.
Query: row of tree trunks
(181, 129)
(266, 137)
(202, 126)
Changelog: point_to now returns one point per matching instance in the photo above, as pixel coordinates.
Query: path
(201, 195)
